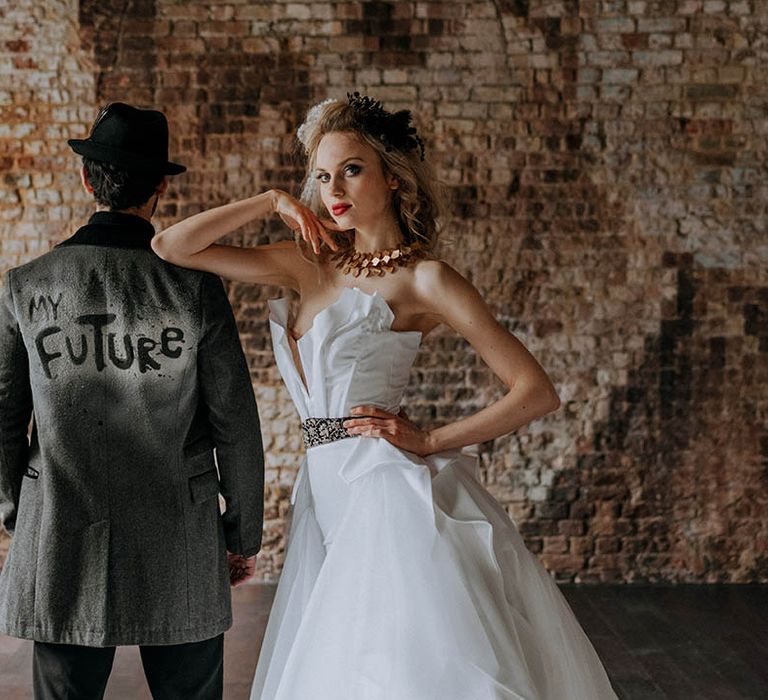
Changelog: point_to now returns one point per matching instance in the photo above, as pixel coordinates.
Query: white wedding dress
(404, 579)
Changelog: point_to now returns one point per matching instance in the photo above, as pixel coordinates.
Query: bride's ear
(393, 182)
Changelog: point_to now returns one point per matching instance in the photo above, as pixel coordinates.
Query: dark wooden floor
(678, 642)
(686, 642)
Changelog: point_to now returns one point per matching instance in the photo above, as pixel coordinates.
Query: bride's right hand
(299, 217)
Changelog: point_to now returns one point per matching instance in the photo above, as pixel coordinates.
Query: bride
(403, 578)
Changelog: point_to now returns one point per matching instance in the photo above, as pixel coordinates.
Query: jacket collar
(113, 229)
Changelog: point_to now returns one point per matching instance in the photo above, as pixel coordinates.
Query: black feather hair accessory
(394, 130)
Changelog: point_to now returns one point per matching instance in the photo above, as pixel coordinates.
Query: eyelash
(355, 168)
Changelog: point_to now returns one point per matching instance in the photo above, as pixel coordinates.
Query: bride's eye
(323, 177)
(352, 169)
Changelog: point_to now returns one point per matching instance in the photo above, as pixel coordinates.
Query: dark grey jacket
(134, 372)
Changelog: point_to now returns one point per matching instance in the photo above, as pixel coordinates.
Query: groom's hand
(241, 568)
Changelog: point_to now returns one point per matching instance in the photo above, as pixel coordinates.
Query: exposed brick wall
(606, 163)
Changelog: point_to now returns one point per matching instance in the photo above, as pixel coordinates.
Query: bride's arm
(191, 242)
(531, 394)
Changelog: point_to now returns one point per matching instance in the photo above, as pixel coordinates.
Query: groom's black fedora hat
(131, 138)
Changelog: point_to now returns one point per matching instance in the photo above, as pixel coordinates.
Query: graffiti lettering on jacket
(47, 304)
(52, 346)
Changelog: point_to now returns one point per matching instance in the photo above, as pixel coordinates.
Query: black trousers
(192, 671)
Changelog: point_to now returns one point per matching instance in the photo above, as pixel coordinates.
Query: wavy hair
(119, 188)
(417, 202)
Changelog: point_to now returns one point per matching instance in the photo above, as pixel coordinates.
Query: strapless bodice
(349, 356)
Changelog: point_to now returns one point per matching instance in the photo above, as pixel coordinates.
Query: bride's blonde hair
(417, 202)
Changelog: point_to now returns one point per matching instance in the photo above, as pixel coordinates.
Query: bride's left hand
(397, 429)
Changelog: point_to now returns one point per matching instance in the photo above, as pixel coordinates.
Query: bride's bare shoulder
(448, 295)
(433, 277)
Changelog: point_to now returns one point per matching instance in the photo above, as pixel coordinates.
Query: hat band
(128, 157)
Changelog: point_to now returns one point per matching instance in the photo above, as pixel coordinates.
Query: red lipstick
(339, 209)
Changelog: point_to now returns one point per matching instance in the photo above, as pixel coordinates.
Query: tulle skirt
(404, 579)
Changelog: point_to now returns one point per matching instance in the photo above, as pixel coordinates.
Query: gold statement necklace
(376, 263)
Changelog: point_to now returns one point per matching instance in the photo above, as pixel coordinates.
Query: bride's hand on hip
(299, 217)
(397, 429)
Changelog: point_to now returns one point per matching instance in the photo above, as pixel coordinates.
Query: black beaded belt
(318, 431)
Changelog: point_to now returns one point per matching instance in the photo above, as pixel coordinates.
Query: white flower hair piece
(312, 116)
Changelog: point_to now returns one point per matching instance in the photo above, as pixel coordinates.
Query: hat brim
(123, 159)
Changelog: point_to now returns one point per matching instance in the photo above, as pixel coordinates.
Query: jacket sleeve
(15, 407)
(225, 384)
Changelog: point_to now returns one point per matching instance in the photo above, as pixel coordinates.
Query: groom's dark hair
(118, 188)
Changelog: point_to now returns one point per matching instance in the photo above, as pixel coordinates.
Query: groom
(132, 372)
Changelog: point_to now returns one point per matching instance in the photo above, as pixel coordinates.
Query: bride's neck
(378, 237)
